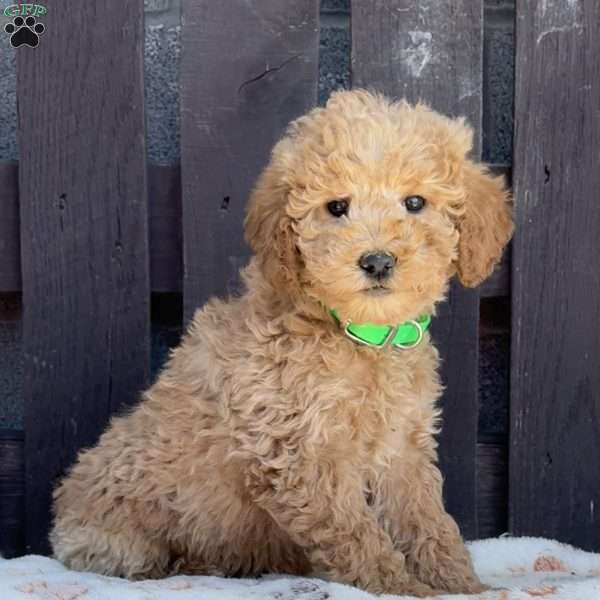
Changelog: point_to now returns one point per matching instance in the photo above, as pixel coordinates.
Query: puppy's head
(369, 207)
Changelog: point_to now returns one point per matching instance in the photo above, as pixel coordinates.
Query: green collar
(404, 335)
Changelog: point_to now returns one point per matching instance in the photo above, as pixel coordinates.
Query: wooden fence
(89, 230)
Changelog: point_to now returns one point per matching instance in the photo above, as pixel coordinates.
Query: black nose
(378, 265)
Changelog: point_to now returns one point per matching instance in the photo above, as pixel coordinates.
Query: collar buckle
(409, 345)
(388, 338)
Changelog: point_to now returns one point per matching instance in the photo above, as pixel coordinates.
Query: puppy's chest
(380, 404)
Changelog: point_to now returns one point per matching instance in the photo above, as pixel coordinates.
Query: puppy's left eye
(414, 203)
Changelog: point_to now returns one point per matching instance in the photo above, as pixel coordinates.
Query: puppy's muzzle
(377, 265)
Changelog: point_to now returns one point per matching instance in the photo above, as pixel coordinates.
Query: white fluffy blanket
(526, 569)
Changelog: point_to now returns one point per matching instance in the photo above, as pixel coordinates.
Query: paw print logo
(24, 31)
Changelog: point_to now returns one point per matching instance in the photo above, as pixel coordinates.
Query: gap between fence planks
(83, 218)
(555, 371)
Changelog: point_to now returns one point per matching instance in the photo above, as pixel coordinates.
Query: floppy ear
(485, 226)
(269, 229)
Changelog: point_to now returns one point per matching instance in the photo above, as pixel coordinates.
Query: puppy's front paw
(452, 573)
(395, 579)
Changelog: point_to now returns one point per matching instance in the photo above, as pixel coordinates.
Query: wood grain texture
(164, 198)
(432, 51)
(555, 372)
(12, 494)
(83, 198)
(10, 259)
(248, 68)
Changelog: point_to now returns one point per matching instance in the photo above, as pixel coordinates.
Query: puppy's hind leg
(127, 553)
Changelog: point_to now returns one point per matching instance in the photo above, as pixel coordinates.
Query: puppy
(292, 431)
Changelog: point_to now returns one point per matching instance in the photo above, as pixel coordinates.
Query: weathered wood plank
(432, 51)
(83, 198)
(555, 372)
(164, 197)
(456, 334)
(12, 494)
(235, 105)
(10, 259)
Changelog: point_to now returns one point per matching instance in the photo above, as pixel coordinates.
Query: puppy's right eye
(338, 208)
